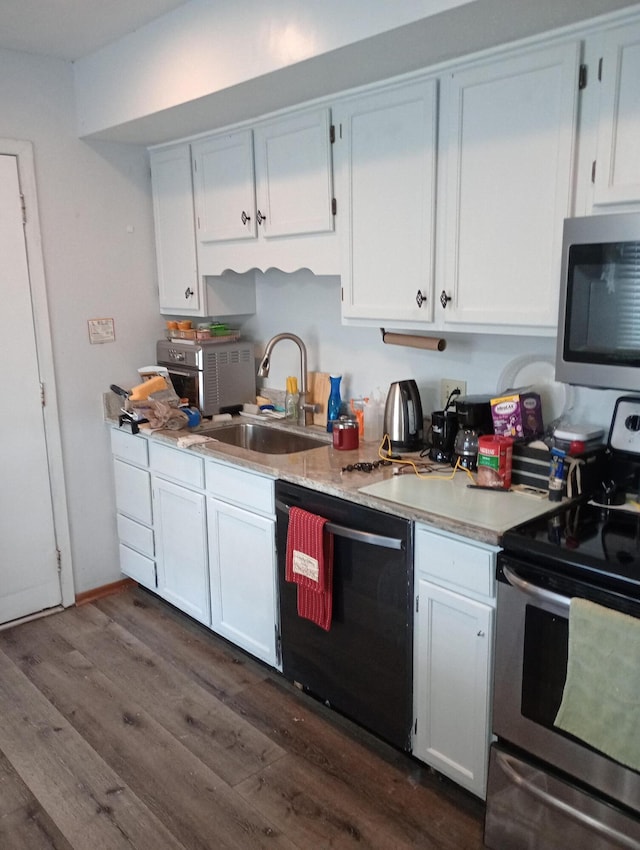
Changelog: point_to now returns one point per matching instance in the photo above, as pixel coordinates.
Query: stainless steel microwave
(599, 318)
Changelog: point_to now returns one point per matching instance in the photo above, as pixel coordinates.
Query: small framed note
(101, 330)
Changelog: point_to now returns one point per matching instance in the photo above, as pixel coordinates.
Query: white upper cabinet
(182, 287)
(264, 196)
(508, 138)
(294, 175)
(617, 170)
(385, 163)
(224, 187)
(175, 238)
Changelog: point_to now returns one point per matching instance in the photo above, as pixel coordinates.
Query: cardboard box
(517, 414)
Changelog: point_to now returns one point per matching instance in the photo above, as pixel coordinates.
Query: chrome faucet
(306, 410)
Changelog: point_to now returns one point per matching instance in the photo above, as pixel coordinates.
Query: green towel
(601, 700)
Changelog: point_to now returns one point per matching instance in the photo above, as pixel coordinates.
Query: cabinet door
(175, 233)
(452, 675)
(243, 579)
(508, 132)
(223, 180)
(294, 175)
(181, 536)
(618, 162)
(385, 157)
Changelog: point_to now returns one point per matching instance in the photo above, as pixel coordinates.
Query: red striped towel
(310, 565)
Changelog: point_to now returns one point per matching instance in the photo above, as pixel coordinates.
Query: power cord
(388, 456)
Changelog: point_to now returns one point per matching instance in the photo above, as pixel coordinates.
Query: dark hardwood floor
(123, 724)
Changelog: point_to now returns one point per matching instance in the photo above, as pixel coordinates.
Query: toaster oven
(215, 377)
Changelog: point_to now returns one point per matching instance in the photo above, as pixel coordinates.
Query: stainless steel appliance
(403, 417)
(216, 377)
(547, 789)
(599, 319)
(362, 666)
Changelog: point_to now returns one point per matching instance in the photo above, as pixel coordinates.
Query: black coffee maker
(474, 419)
(444, 427)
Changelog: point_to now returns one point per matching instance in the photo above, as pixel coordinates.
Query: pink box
(517, 414)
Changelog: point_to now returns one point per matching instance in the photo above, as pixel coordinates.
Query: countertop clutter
(436, 496)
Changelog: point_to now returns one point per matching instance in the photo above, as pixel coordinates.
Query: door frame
(23, 151)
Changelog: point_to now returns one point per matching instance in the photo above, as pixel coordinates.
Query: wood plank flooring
(123, 724)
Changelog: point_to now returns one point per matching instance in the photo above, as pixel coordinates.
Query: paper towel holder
(429, 343)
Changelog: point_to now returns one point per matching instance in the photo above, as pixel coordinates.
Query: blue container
(335, 402)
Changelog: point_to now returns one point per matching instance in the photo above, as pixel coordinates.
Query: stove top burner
(597, 543)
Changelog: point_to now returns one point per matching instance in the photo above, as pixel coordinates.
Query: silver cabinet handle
(354, 534)
(534, 591)
(509, 768)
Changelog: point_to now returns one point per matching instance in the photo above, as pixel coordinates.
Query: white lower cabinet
(181, 541)
(453, 640)
(242, 559)
(202, 536)
(134, 515)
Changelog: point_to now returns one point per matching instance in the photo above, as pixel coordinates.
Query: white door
(508, 132)
(29, 577)
(171, 183)
(293, 175)
(243, 578)
(224, 187)
(386, 156)
(181, 543)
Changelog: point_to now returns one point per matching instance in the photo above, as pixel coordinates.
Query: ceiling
(70, 29)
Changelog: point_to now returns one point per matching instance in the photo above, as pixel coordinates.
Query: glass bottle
(335, 402)
(292, 400)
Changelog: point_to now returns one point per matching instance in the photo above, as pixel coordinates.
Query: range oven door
(532, 631)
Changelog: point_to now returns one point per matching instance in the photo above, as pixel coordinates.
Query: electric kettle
(403, 420)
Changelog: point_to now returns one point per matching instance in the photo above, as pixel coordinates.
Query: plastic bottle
(374, 416)
(292, 400)
(335, 402)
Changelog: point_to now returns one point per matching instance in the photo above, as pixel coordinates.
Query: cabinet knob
(444, 299)
(260, 218)
(188, 293)
(480, 633)
(244, 217)
(421, 298)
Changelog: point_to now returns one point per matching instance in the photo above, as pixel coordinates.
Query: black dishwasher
(362, 666)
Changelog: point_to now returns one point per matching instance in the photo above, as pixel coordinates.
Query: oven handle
(536, 592)
(611, 834)
(354, 534)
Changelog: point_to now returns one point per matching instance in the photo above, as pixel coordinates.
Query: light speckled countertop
(447, 505)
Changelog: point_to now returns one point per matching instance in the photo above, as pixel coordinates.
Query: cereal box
(517, 414)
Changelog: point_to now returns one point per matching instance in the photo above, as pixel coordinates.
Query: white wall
(310, 307)
(209, 64)
(97, 237)
(203, 47)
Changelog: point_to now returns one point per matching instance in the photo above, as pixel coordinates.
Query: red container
(494, 461)
(345, 434)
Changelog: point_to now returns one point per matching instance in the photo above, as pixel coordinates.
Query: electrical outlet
(447, 386)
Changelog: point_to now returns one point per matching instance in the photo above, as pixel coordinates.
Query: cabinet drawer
(137, 567)
(133, 491)
(177, 465)
(135, 535)
(131, 448)
(454, 563)
(246, 489)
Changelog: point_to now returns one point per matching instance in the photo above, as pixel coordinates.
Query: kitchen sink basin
(262, 438)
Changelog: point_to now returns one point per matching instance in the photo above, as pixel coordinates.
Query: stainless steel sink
(262, 438)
